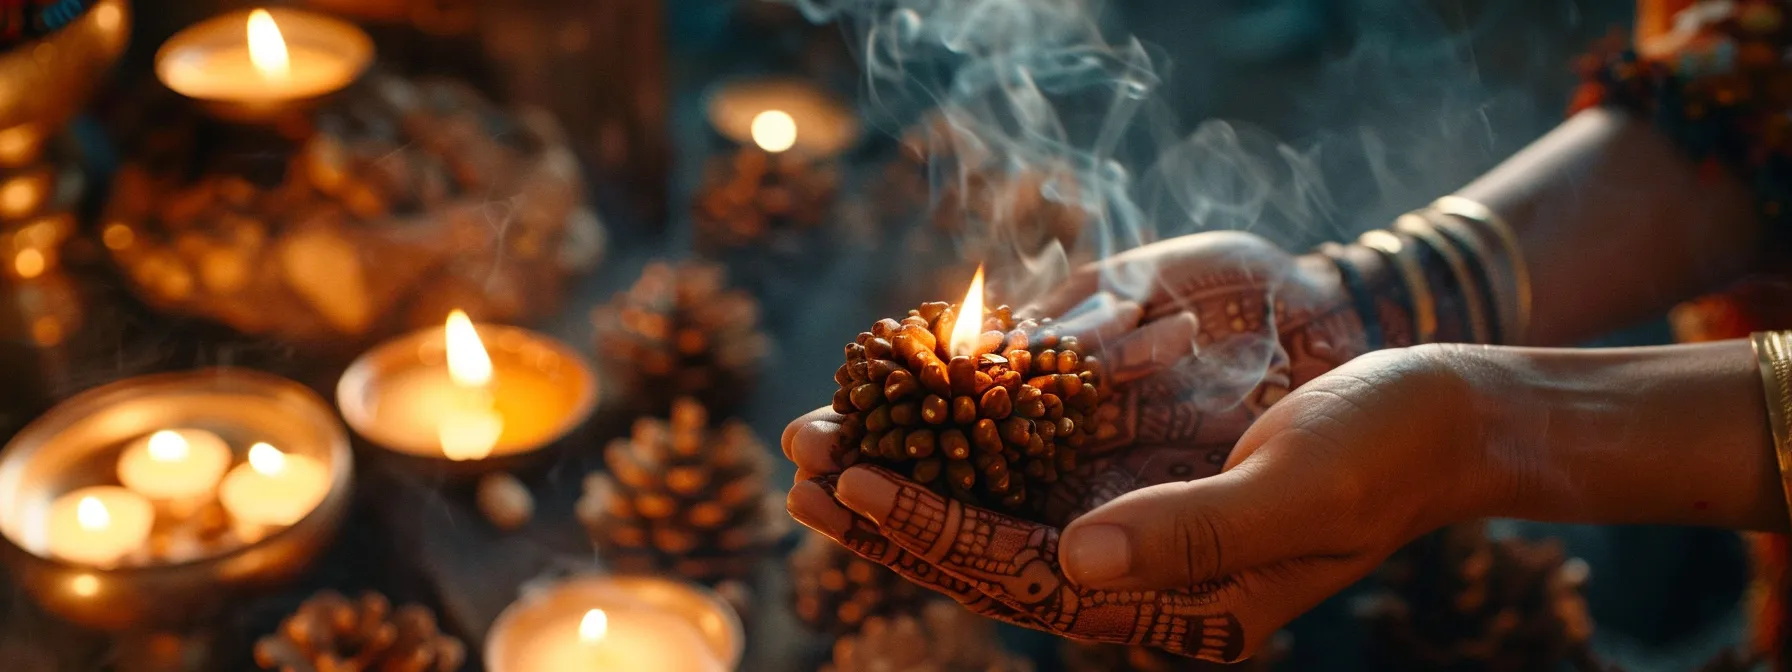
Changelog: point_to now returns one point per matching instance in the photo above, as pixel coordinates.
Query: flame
(594, 626)
(266, 459)
(774, 131)
(470, 435)
(468, 363)
(167, 446)
(267, 48)
(91, 514)
(970, 319)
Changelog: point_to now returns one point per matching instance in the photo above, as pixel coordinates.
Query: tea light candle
(273, 488)
(603, 624)
(99, 525)
(264, 57)
(792, 114)
(175, 465)
(467, 392)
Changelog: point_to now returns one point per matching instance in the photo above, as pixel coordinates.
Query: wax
(302, 55)
(637, 639)
(99, 525)
(175, 465)
(530, 406)
(273, 488)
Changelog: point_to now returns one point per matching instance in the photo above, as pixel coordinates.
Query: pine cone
(681, 497)
(755, 194)
(679, 333)
(1731, 660)
(944, 638)
(835, 591)
(330, 633)
(1460, 601)
(989, 429)
(970, 193)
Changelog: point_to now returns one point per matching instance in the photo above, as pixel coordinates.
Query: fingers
(1158, 345)
(1105, 318)
(1269, 510)
(812, 441)
(811, 504)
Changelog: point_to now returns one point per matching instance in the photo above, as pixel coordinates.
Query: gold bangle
(1473, 211)
(1773, 352)
(1419, 226)
(1424, 306)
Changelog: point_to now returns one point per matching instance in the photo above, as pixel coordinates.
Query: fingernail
(1098, 553)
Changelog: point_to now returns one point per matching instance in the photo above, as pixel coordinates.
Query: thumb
(1269, 509)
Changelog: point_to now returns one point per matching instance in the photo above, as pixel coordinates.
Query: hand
(1256, 322)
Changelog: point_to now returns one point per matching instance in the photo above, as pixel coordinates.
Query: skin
(1330, 461)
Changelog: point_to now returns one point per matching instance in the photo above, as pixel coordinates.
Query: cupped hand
(1226, 326)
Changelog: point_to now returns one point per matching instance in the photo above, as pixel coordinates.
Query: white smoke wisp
(1038, 87)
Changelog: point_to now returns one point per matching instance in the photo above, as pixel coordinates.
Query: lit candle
(775, 109)
(465, 395)
(603, 624)
(273, 488)
(175, 465)
(99, 525)
(261, 57)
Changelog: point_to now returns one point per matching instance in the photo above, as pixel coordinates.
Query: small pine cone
(1458, 600)
(974, 193)
(944, 637)
(330, 632)
(756, 195)
(683, 498)
(994, 426)
(834, 591)
(679, 332)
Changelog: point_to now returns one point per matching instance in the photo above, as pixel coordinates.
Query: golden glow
(19, 143)
(594, 626)
(468, 363)
(970, 319)
(119, 236)
(108, 17)
(29, 263)
(774, 131)
(470, 435)
(266, 459)
(267, 48)
(85, 585)
(92, 515)
(47, 330)
(19, 195)
(167, 446)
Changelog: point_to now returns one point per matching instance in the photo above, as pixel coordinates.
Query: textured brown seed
(954, 444)
(1028, 393)
(901, 385)
(1009, 379)
(1016, 430)
(855, 351)
(878, 419)
(843, 376)
(885, 328)
(964, 410)
(858, 370)
(878, 370)
(1068, 385)
(891, 446)
(942, 327)
(843, 401)
(933, 376)
(868, 445)
(963, 373)
(906, 414)
(932, 310)
(1020, 360)
(927, 470)
(867, 396)
(878, 348)
(984, 382)
(960, 473)
(995, 403)
(933, 409)
(1067, 361)
(986, 436)
(1046, 431)
(1017, 340)
(920, 443)
(1035, 446)
(1031, 408)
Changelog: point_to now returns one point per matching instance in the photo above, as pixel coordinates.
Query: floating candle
(273, 488)
(606, 624)
(99, 525)
(264, 56)
(175, 465)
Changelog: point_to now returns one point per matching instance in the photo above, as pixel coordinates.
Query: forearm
(1617, 225)
(1666, 435)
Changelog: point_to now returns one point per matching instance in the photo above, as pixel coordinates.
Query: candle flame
(470, 435)
(266, 459)
(468, 363)
(594, 626)
(774, 131)
(267, 48)
(167, 446)
(970, 319)
(91, 514)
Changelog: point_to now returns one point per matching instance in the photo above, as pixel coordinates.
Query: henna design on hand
(1016, 563)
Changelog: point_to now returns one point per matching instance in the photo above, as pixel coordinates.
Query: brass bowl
(71, 446)
(45, 81)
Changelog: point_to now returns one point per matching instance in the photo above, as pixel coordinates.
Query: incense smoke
(1396, 113)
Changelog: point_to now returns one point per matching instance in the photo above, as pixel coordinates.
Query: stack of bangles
(1450, 272)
